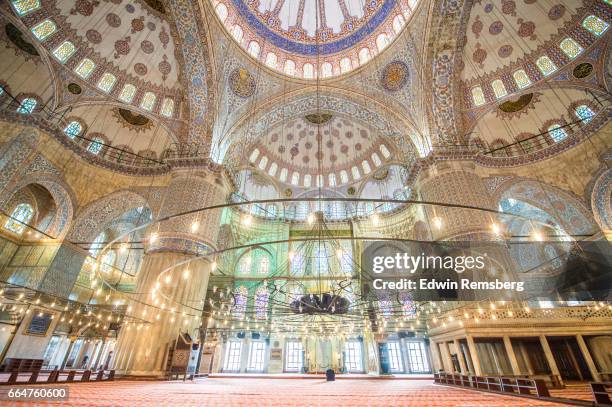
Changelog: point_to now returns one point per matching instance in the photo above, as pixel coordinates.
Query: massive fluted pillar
(172, 281)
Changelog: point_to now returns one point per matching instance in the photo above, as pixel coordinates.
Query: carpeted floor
(225, 392)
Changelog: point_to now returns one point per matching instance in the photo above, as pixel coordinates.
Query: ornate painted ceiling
(314, 38)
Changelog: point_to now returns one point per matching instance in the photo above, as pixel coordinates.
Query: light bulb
(247, 220)
(123, 248)
(186, 274)
(291, 255)
(339, 253)
(213, 266)
(375, 219)
(495, 228)
(537, 236)
(168, 279)
(153, 237)
(195, 226)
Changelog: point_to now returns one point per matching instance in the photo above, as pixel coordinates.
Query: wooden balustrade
(55, 376)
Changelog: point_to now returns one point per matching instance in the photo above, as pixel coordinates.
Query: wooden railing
(510, 384)
(602, 392)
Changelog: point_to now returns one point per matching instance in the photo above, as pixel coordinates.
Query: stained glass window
(376, 160)
(85, 68)
(262, 297)
(366, 167)
(295, 178)
(25, 6)
(272, 170)
(127, 93)
(521, 79)
(21, 215)
(571, 48)
(167, 107)
(595, 25)
(307, 180)
(478, 96)
(545, 65)
(148, 101)
(384, 150)
(408, 306)
(95, 146)
(499, 88)
(44, 29)
(355, 173)
(64, 51)
(107, 81)
(240, 302)
(557, 133)
(584, 113)
(386, 307)
(283, 174)
(73, 129)
(343, 177)
(27, 106)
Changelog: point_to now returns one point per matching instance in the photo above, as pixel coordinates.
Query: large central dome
(310, 38)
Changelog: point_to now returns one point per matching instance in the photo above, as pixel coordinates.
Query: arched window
(320, 264)
(64, 51)
(237, 33)
(167, 108)
(557, 133)
(73, 129)
(521, 79)
(240, 302)
(44, 29)
(85, 68)
(245, 264)
(364, 55)
(148, 101)
(384, 150)
(355, 173)
(20, 217)
(254, 49)
(398, 23)
(262, 297)
(345, 65)
(27, 106)
(344, 177)
(376, 159)
(326, 70)
(264, 265)
(570, 47)
(106, 83)
(23, 7)
(95, 146)
(584, 113)
(271, 59)
(382, 41)
(283, 175)
(308, 71)
(127, 93)
(307, 180)
(290, 67)
(595, 25)
(499, 88)
(478, 96)
(332, 179)
(319, 181)
(366, 167)
(295, 178)
(272, 170)
(254, 155)
(263, 162)
(546, 65)
(221, 10)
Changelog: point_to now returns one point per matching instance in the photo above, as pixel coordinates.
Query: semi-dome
(314, 38)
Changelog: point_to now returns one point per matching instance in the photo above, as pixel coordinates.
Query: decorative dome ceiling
(343, 150)
(297, 36)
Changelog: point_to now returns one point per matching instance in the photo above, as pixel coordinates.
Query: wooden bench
(518, 385)
(602, 392)
(56, 376)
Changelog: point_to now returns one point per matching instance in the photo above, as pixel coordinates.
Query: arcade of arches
(196, 188)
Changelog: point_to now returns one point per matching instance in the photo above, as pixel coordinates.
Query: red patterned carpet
(286, 393)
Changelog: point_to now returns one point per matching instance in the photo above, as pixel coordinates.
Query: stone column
(587, 358)
(447, 357)
(550, 358)
(511, 356)
(436, 357)
(474, 355)
(462, 364)
(173, 279)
